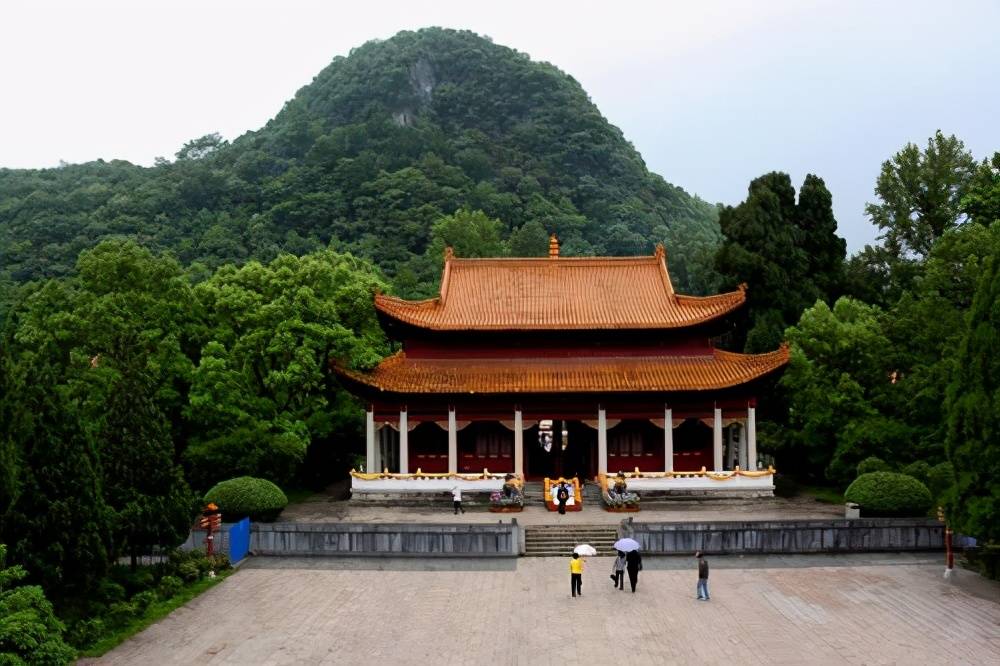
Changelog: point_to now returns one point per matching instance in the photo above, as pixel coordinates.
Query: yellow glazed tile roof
(558, 294)
(718, 370)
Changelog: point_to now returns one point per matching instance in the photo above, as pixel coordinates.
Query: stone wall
(787, 536)
(383, 539)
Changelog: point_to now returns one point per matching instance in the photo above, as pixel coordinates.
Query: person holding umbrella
(618, 571)
(633, 560)
(576, 575)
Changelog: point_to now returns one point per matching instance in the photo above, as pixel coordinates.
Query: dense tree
(263, 391)
(770, 243)
(30, 633)
(838, 384)
(920, 195)
(58, 523)
(380, 146)
(973, 407)
(152, 505)
(824, 249)
(982, 198)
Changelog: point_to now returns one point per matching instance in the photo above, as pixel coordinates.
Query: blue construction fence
(233, 539)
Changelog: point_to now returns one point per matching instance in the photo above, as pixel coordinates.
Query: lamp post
(949, 553)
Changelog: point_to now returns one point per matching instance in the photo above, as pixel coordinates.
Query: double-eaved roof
(558, 294)
(554, 294)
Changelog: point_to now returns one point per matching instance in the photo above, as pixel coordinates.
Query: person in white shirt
(456, 495)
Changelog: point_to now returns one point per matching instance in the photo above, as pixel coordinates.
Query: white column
(371, 464)
(717, 441)
(668, 440)
(452, 442)
(404, 443)
(518, 443)
(751, 438)
(743, 445)
(602, 441)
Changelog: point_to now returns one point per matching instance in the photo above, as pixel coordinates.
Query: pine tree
(761, 249)
(973, 408)
(825, 250)
(143, 485)
(58, 525)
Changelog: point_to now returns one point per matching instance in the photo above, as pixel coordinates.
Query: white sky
(711, 93)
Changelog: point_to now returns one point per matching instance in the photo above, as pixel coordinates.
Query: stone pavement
(321, 509)
(876, 610)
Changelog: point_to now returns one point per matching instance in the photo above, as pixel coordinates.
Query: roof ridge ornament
(661, 252)
(553, 247)
(449, 253)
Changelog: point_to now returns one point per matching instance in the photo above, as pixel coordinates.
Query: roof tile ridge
(384, 299)
(641, 259)
(738, 294)
(781, 353)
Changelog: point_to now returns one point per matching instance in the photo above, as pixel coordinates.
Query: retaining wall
(788, 536)
(384, 539)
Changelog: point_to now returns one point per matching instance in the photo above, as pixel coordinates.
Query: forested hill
(382, 145)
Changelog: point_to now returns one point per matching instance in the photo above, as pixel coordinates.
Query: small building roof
(558, 293)
(639, 374)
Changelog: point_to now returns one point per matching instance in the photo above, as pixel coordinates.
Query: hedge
(873, 464)
(246, 496)
(889, 494)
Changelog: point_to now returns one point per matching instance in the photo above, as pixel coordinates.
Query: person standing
(633, 565)
(618, 571)
(576, 575)
(562, 496)
(702, 577)
(456, 496)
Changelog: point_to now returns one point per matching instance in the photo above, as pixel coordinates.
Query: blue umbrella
(626, 545)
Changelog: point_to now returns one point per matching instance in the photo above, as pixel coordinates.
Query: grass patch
(823, 494)
(156, 611)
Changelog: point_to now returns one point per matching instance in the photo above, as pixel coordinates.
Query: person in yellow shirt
(576, 575)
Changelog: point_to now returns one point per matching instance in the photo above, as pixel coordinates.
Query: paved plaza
(873, 609)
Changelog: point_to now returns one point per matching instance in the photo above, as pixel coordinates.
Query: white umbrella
(626, 545)
(586, 550)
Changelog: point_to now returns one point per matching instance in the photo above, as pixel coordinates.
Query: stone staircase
(559, 540)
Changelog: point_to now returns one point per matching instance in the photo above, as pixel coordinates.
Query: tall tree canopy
(772, 243)
(973, 408)
(263, 391)
(920, 194)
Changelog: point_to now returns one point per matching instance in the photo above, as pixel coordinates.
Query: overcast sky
(711, 93)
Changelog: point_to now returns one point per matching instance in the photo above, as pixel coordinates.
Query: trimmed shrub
(143, 600)
(169, 586)
(919, 470)
(889, 494)
(189, 572)
(120, 614)
(873, 464)
(220, 562)
(245, 496)
(110, 592)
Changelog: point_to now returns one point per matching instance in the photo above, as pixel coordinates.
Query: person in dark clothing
(618, 571)
(702, 577)
(633, 565)
(562, 496)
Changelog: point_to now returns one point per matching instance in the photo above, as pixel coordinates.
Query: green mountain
(382, 143)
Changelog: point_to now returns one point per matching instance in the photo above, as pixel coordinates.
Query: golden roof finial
(449, 253)
(553, 247)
